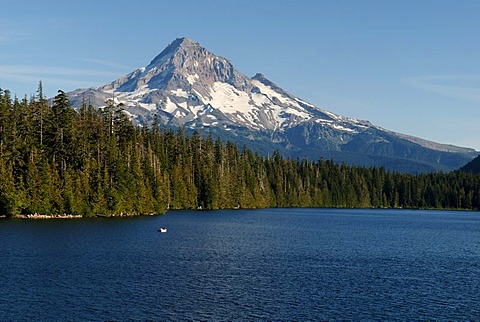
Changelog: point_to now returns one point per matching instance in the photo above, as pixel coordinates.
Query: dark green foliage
(54, 160)
(473, 166)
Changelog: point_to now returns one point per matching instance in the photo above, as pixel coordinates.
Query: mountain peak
(185, 62)
(184, 45)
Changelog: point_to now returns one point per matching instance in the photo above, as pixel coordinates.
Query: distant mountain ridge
(188, 86)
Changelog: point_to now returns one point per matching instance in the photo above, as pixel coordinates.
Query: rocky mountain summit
(188, 86)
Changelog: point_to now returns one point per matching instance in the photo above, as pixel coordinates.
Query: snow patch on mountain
(169, 106)
(193, 78)
(150, 107)
(179, 92)
(229, 100)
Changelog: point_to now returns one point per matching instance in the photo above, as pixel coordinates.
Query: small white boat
(163, 230)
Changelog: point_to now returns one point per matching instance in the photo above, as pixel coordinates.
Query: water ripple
(279, 264)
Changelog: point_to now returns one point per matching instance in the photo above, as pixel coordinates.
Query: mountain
(188, 86)
(472, 166)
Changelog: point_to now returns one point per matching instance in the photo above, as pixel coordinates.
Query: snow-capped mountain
(188, 86)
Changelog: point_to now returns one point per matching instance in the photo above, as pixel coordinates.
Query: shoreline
(69, 216)
(122, 215)
(39, 216)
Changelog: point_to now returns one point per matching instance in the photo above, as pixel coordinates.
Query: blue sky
(408, 66)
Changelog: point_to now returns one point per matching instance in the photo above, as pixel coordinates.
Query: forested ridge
(54, 160)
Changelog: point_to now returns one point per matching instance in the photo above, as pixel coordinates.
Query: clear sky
(408, 66)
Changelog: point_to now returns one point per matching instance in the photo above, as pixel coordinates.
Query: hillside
(473, 166)
(186, 86)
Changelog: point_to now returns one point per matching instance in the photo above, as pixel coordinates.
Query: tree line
(55, 160)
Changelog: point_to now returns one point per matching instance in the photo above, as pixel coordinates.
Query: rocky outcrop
(40, 216)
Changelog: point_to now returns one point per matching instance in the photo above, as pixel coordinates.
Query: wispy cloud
(106, 63)
(58, 77)
(30, 70)
(465, 87)
(15, 32)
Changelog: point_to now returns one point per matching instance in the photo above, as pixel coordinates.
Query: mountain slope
(472, 166)
(187, 86)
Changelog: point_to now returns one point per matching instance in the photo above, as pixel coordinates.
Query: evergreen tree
(54, 160)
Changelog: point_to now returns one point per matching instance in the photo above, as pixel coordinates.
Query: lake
(271, 264)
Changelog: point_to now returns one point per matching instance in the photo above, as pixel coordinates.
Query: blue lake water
(272, 264)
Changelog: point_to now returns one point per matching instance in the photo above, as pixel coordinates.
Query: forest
(55, 160)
